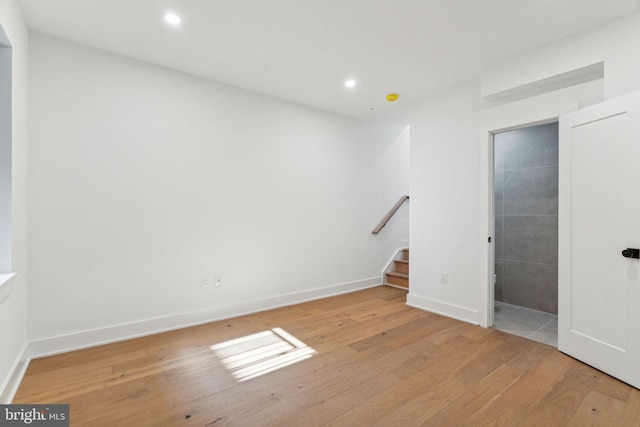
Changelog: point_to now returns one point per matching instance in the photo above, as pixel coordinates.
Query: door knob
(631, 253)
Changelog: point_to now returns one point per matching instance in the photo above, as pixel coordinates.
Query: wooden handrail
(390, 214)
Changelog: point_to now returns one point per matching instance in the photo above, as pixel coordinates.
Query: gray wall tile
(526, 222)
(530, 147)
(499, 279)
(498, 245)
(532, 191)
(531, 285)
(531, 239)
(498, 185)
(498, 153)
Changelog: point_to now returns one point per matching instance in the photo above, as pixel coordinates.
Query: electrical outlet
(217, 282)
(204, 282)
(444, 277)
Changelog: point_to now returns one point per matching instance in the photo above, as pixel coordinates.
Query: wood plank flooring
(377, 362)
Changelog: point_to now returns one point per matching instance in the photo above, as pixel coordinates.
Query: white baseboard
(90, 338)
(450, 310)
(8, 391)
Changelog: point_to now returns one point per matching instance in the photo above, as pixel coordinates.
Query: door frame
(487, 131)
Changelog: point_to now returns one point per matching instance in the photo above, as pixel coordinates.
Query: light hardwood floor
(377, 362)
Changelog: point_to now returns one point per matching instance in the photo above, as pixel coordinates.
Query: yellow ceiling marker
(392, 97)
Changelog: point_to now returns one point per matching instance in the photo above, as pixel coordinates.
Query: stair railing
(390, 214)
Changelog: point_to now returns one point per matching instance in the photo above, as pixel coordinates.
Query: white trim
(6, 286)
(5, 277)
(9, 389)
(389, 265)
(90, 338)
(450, 310)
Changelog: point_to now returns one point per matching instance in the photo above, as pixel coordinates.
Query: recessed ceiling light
(350, 83)
(172, 18)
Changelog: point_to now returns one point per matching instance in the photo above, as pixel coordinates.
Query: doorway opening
(525, 215)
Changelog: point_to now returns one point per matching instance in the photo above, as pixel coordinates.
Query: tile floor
(531, 324)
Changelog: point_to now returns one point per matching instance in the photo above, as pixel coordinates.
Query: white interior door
(599, 288)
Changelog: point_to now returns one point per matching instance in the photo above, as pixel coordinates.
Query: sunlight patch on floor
(254, 355)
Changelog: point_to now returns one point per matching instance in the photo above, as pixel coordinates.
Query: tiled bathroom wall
(526, 217)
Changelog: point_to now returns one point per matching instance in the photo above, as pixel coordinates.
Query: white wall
(143, 179)
(390, 183)
(450, 160)
(13, 308)
(444, 201)
(612, 44)
(5, 152)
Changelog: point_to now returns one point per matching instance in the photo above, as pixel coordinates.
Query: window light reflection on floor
(254, 355)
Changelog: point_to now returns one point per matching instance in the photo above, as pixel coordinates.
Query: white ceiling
(304, 50)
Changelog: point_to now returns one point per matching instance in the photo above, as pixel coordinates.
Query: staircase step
(405, 254)
(401, 266)
(398, 279)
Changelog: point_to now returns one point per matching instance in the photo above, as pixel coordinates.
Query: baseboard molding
(8, 391)
(90, 338)
(450, 310)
